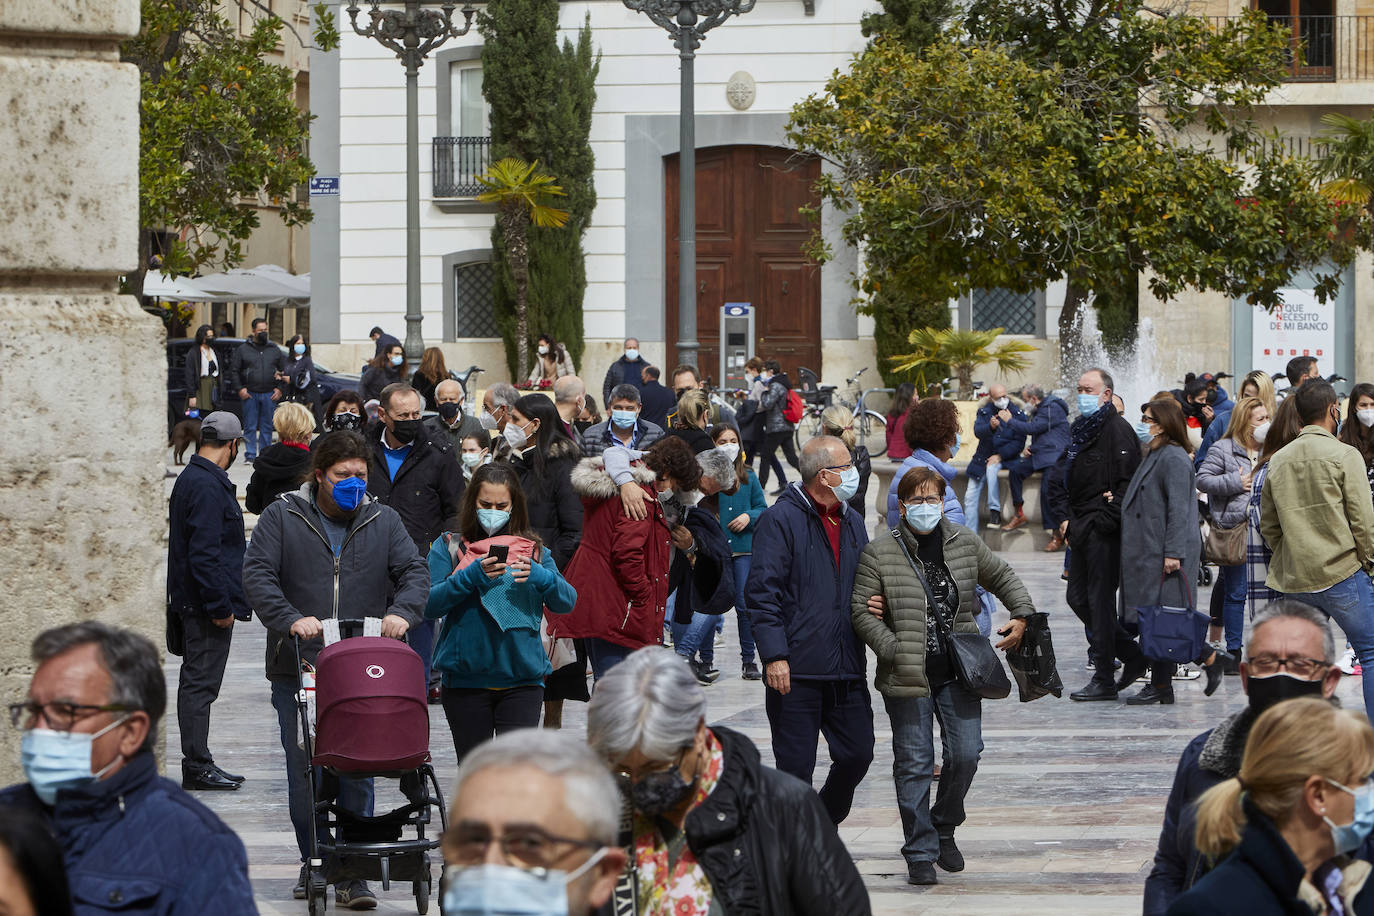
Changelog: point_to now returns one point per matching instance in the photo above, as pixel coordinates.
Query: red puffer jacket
(620, 570)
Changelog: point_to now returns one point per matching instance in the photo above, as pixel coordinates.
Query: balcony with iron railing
(457, 163)
(1325, 49)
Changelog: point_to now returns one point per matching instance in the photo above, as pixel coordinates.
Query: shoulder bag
(975, 663)
(1173, 634)
(1225, 546)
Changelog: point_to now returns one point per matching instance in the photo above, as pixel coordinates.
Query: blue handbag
(1173, 634)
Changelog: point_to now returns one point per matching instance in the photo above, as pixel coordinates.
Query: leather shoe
(1150, 695)
(1056, 543)
(1095, 690)
(1214, 672)
(919, 873)
(209, 779)
(951, 859)
(1131, 672)
(225, 773)
(995, 519)
(1017, 521)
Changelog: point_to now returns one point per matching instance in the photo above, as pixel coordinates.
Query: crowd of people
(524, 547)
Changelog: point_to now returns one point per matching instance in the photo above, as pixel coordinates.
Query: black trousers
(202, 673)
(1094, 574)
(771, 441)
(840, 710)
(476, 714)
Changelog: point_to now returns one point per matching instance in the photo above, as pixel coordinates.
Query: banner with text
(1301, 326)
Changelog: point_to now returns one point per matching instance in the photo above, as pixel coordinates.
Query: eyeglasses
(59, 716)
(529, 848)
(925, 501)
(1305, 668)
(840, 468)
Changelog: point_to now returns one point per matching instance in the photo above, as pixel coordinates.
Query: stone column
(82, 369)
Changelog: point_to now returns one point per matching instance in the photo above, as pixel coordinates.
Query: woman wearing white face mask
(473, 454)
(1358, 428)
(891, 612)
(551, 361)
(739, 513)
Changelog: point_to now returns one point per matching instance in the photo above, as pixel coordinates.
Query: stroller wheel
(422, 887)
(317, 902)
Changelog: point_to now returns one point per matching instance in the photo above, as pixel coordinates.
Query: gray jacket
(773, 403)
(290, 572)
(597, 438)
(1158, 520)
(898, 638)
(1219, 477)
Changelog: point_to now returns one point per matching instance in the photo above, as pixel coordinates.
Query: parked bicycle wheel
(809, 427)
(871, 427)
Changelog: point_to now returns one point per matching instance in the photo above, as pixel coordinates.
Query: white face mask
(731, 449)
(1001, 403)
(543, 350)
(1366, 417)
(1259, 432)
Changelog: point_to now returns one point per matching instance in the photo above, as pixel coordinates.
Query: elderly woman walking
(714, 830)
(893, 614)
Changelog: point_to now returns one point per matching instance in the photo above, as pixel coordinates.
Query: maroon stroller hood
(370, 706)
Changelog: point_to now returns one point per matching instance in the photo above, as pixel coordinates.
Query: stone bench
(884, 469)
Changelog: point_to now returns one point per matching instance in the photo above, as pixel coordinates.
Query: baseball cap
(221, 426)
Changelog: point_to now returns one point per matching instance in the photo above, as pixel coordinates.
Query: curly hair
(931, 423)
(672, 457)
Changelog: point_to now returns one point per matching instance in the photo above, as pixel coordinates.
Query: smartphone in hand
(500, 552)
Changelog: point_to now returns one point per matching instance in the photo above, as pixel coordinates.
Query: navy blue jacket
(1221, 418)
(798, 600)
(137, 843)
(205, 543)
(1005, 441)
(1049, 432)
(656, 402)
(1178, 865)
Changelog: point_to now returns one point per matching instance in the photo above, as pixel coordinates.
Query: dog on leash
(184, 435)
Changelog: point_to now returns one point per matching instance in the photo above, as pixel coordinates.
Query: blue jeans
(746, 629)
(986, 605)
(697, 638)
(975, 489)
(604, 656)
(1234, 585)
(354, 794)
(913, 760)
(421, 639)
(257, 422)
(1351, 603)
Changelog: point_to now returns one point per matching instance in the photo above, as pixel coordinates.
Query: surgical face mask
(543, 350)
(345, 421)
(407, 431)
(954, 450)
(1088, 404)
(1001, 403)
(299, 349)
(397, 359)
(1366, 417)
(348, 493)
(493, 520)
(923, 518)
(54, 760)
(488, 420)
(624, 419)
(751, 377)
(1142, 431)
(1264, 692)
(471, 459)
(516, 436)
(731, 450)
(1348, 837)
(631, 354)
(1259, 432)
(849, 484)
(504, 890)
(449, 410)
(657, 793)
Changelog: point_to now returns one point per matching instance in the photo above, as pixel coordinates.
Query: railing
(1324, 49)
(457, 163)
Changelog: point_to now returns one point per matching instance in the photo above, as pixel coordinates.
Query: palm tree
(1349, 165)
(950, 351)
(521, 192)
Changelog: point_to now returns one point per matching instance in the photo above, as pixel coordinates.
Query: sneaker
(750, 672)
(354, 896)
(699, 671)
(1348, 662)
(711, 671)
(1187, 673)
(921, 873)
(994, 519)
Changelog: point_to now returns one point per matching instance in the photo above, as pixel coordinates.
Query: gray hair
(627, 391)
(568, 389)
(1295, 610)
(716, 465)
(817, 454)
(1033, 391)
(589, 789)
(504, 394)
(136, 678)
(651, 703)
(1107, 382)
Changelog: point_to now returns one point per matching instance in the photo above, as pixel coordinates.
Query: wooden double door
(751, 233)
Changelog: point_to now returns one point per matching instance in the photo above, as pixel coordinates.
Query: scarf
(1085, 431)
(674, 884)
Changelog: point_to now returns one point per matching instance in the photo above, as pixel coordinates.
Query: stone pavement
(1062, 817)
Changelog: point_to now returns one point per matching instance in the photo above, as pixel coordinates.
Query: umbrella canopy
(267, 284)
(161, 286)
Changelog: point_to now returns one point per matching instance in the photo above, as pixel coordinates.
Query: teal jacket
(748, 498)
(473, 651)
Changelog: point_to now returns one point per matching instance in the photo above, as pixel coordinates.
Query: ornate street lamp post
(412, 30)
(687, 22)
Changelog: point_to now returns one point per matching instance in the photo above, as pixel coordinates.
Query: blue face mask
(493, 520)
(923, 518)
(624, 419)
(1088, 404)
(503, 890)
(348, 493)
(1142, 431)
(397, 359)
(299, 349)
(1348, 837)
(54, 760)
(849, 484)
(958, 441)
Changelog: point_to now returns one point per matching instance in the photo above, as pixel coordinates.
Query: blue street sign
(737, 309)
(324, 186)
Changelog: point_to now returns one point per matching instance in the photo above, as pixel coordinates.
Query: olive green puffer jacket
(899, 636)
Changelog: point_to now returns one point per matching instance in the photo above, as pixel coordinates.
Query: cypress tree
(540, 98)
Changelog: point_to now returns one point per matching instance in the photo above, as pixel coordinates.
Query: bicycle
(870, 426)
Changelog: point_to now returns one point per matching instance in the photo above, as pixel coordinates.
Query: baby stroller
(371, 720)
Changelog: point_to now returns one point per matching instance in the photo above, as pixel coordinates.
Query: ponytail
(1220, 819)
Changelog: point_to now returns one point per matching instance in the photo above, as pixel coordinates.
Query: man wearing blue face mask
(624, 427)
(328, 551)
(131, 840)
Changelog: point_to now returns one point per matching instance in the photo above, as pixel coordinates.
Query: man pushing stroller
(328, 551)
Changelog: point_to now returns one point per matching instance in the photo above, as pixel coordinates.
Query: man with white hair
(534, 818)
(713, 828)
(453, 421)
(569, 397)
(497, 403)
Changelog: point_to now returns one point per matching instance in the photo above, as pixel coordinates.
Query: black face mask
(449, 410)
(407, 431)
(658, 793)
(261, 337)
(233, 456)
(345, 421)
(1264, 692)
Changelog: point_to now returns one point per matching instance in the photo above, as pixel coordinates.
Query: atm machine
(736, 342)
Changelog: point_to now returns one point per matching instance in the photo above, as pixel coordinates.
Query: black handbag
(1032, 663)
(971, 655)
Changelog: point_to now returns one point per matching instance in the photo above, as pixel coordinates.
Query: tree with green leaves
(914, 23)
(1349, 164)
(540, 96)
(219, 133)
(1085, 140)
